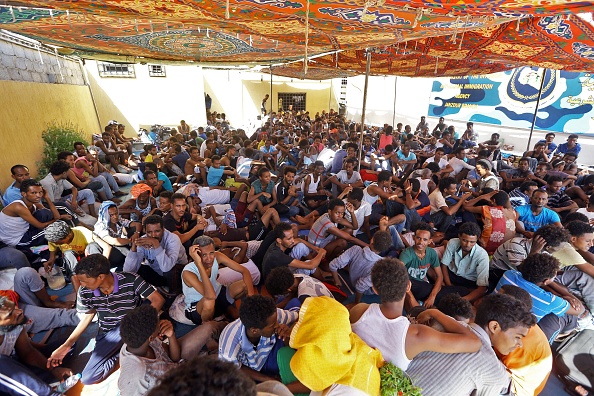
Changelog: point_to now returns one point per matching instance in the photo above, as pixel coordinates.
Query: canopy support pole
(270, 90)
(536, 108)
(367, 69)
(394, 111)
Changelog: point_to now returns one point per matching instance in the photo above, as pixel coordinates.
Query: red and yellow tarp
(413, 38)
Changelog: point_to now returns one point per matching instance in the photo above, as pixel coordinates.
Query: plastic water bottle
(68, 383)
(230, 219)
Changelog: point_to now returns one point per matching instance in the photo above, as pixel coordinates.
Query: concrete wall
(21, 60)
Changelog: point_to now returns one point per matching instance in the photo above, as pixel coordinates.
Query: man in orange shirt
(531, 364)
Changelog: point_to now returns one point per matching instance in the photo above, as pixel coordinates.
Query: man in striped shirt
(253, 340)
(501, 323)
(554, 314)
(521, 195)
(111, 296)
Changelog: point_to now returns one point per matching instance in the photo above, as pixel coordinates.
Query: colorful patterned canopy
(413, 38)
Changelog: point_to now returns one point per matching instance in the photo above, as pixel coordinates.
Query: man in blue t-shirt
(554, 314)
(406, 157)
(532, 217)
(216, 172)
(550, 146)
(571, 146)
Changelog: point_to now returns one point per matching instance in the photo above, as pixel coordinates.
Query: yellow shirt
(82, 237)
(148, 158)
(567, 255)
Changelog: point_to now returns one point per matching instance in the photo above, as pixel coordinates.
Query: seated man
(111, 296)
(418, 259)
(182, 223)
(16, 376)
(555, 315)
(19, 173)
(460, 166)
(87, 162)
(313, 187)
(294, 288)
(465, 265)
(141, 205)
(57, 186)
(532, 217)
(253, 340)
(263, 190)
(494, 211)
(383, 326)
(511, 253)
(288, 252)
(204, 296)
(347, 176)
(559, 202)
(441, 160)
(513, 178)
(144, 357)
(530, 364)
(110, 153)
(94, 185)
(155, 255)
(22, 222)
(442, 214)
(326, 234)
(287, 194)
(37, 304)
(521, 195)
(143, 334)
(577, 273)
(501, 323)
(360, 261)
(216, 172)
(114, 234)
(74, 243)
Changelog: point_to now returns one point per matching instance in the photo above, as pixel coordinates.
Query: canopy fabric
(547, 42)
(409, 37)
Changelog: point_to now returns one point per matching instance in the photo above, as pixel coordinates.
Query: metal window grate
(291, 101)
(157, 71)
(107, 69)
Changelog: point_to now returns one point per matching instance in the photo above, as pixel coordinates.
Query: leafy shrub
(394, 382)
(58, 136)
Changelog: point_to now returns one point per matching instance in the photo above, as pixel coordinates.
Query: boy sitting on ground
(361, 261)
(252, 341)
(382, 325)
(144, 357)
(295, 288)
(206, 300)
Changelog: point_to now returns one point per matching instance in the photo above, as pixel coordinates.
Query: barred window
(157, 71)
(108, 69)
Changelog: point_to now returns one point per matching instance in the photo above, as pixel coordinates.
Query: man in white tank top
(383, 326)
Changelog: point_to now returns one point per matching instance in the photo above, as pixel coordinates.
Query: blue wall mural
(509, 99)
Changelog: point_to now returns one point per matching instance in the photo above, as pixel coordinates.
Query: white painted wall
(148, 100)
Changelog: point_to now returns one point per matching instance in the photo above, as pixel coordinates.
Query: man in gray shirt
(501, 323)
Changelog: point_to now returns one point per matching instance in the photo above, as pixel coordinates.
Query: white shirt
(458, 165)
(584, 211)
(442, 162)
(363, 211)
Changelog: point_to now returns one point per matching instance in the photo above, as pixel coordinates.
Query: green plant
(57, 137)
(394, 382)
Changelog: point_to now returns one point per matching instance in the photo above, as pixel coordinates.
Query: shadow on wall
(108, 110)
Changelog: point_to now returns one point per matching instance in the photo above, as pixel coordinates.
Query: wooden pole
(544, 71)
(367, 69)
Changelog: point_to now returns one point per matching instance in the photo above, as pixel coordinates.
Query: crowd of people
(302, 256)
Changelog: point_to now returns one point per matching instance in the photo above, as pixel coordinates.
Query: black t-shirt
(281, 191)
(274, 258)
(181, 226)
(258, 258)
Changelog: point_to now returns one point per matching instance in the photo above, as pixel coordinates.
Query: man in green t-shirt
(418, 259)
